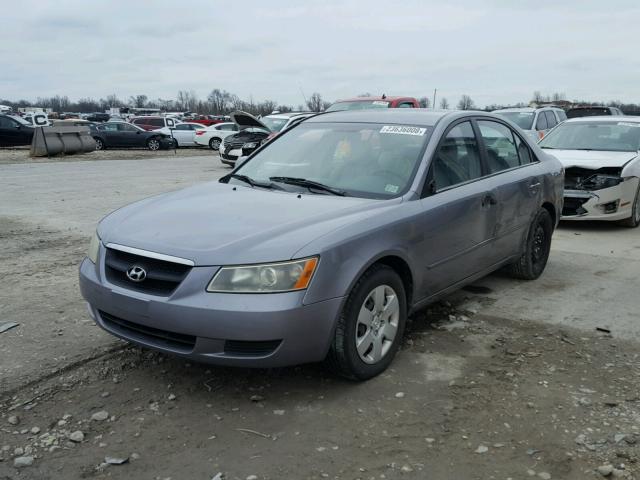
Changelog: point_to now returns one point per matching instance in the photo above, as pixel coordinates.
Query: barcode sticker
(403, 130)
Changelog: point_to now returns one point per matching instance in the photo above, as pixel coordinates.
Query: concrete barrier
(49, 141)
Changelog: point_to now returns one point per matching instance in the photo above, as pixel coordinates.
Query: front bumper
(610, 204)
(259, 330)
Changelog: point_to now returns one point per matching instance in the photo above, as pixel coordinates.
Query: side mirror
(241, 160)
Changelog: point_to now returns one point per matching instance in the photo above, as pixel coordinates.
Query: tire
(99, 143)
(214, 143)
(534, 259)
(634, 220)
(361, 323)
(153, 144)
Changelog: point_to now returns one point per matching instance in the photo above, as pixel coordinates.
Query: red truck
(361, 103)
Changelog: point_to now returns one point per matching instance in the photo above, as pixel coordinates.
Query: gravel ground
(504, 380)
(21, 155)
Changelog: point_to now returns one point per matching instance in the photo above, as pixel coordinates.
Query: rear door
(183, 133)
(110, 134)
(460, 213)
(128, 135)
(516, 175)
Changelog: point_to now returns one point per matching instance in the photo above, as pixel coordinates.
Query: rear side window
(502, 153)
(561, 115)
(523, 151)
(156, 122)
(183, 126)
(405, 105)
(457, 159)
(7, 123)
(541, 123)
(551, 119)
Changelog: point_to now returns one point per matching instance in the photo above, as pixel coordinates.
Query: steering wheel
(388, 173)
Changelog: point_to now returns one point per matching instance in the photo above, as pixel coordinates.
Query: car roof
(374, 98)
(411, 116)
(526, 109)
(288, 114)
(586, 107)
(605, 118)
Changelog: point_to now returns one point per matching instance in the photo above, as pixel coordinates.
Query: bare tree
(138, 101)
(219, 101)
(466, 103)
(557, 96)
(315, 102)
(537, 97)
(424, 102)
(444, 103)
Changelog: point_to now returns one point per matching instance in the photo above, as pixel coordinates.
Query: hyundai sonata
(325, 239)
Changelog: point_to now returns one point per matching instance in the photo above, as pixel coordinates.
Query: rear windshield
(587, 112)
(523, 119)
(358, 105)
(601, 136)
(365, 160)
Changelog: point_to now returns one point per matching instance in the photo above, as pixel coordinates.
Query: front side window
(109, 127)
(551, 119)
(541, 124)
(502, 153)
(7, 123)
(183, 126)
(457, 159)
(362, 159)
(600, 136)
(405, 105)
(125, 127)
(157, 122)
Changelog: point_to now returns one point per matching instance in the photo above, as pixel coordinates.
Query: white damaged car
(601, 157)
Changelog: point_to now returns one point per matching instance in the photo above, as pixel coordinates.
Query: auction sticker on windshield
(403, 130)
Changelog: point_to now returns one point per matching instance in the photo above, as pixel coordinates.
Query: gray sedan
(321, 244)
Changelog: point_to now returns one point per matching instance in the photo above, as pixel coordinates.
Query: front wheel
(371, 325)
(634, 220)
(214, 144)
(537, 248)
(153, 144)
(99, 144)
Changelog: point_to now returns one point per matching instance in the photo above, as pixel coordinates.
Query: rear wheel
(99, 143)
(634, 220)
(534, 259)
(371, 326)
(214, 143)
(153, 144)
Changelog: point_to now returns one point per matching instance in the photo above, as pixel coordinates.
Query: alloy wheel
(214, 144)
(154, 144)
(377, 324)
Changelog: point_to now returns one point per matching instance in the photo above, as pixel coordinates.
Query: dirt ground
(504, 380)
(21, 155)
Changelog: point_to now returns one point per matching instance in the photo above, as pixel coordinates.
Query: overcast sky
(497, 51)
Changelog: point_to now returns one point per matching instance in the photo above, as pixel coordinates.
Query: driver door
(459, 212)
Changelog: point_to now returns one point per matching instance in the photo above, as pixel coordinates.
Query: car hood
(223, 224)
(591, 158)
(246, 120)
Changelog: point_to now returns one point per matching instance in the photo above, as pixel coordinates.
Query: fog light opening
(610, 207)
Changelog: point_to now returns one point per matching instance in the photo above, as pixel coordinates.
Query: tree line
(222, 102)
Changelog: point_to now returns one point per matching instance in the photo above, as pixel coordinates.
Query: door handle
(489, 200)
(534, 186)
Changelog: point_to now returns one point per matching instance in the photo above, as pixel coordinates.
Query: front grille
(151, 335)
(573, 206)
(162, 277)
(243, 348)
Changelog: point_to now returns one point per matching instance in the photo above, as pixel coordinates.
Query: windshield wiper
(252, 182)
(303, 182)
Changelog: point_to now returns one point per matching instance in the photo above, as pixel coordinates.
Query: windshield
(358, 105)
(361, 159)
(274, 124)
(602, 136)
(523, 119)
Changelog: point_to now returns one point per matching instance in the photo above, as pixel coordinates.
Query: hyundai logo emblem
(136, 274)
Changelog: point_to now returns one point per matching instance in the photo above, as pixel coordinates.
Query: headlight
(606, 181)
(250, 145)
(265, 278)
(94, 246)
